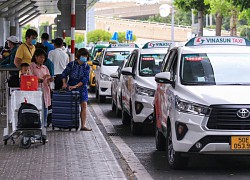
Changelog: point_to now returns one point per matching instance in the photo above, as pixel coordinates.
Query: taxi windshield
(115, 58)
(150, 64)
(219, 69)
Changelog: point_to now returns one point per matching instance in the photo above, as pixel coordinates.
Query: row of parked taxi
(195, 94)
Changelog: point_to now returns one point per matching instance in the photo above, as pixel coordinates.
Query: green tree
(78, 39)
(220, 8)
(237, 7)
(197, 5)
(98, 35)
(245, 32)
(122, 37)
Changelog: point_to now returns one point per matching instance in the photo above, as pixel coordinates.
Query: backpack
(28, 116)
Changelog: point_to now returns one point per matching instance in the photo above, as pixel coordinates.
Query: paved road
(155, 162)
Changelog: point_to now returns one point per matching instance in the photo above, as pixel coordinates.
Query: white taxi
(116, 90)
(138, 85)
(202, 101)
(110, 60)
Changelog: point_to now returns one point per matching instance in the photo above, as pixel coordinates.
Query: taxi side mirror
(127, 71)
(114, 75)
(163, 77)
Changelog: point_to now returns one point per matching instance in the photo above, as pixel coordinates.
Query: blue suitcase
(65, 110)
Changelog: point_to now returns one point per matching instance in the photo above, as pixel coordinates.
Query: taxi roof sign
(123, 45)
(218, 40)
(157, 44)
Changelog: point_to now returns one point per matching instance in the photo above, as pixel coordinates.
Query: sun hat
(13, 39)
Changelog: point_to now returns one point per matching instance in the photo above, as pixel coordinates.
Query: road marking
(135, 165)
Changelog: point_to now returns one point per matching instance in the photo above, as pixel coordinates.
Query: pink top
(40, 72)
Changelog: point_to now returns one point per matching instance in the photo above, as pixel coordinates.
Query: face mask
(83, 59)
(33, 42)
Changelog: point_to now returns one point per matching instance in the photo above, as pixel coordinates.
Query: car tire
(118, 112)
(101, 99)
(92, 88)
(96, 93)
(113, 105)
(125, 117)
(160, 140)
(175, 159)
(136, 128)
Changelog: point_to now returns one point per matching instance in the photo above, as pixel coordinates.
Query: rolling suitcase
(65, 109)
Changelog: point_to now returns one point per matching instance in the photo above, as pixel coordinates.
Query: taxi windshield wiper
(198, 83)
(246, 84)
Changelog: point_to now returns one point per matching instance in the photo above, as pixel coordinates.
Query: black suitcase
(65, 109)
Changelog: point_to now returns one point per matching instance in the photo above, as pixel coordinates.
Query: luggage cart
(29, 135)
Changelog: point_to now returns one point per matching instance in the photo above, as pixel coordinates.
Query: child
(14, 80)
(41, 71)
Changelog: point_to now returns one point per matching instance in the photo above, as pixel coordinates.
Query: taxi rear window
(115, 58)
(212, 68)
(150, 64)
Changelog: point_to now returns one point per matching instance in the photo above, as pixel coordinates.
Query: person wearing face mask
(26, 50)
(78, 73)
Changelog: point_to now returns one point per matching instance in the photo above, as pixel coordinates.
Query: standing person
(26, 50)
(13, 44)
(78, 73)
(41, 71)
(60, 60)
(45, 38)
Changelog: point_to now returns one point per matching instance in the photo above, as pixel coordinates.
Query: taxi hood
(148, 82)
(216, 94)
(109, 69)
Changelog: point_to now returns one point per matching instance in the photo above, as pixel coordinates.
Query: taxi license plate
(240, 142)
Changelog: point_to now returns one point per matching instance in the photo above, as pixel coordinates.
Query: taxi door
(165, 97)
(128, 81)
(98, 69)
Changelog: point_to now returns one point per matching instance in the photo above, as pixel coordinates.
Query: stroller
(26, 116)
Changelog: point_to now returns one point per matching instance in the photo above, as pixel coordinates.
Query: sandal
(85, 129)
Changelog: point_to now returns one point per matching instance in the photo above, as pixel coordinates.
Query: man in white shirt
(60, 60)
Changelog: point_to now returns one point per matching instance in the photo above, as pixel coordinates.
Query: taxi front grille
(224, 117)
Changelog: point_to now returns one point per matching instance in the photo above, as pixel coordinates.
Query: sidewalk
(68, 155)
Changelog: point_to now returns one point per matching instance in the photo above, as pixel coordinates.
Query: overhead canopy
(19, 8)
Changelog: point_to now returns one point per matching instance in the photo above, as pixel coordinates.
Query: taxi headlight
(104, 77)
(144, 91)
(190, 107)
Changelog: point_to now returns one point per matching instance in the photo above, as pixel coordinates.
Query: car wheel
(92, 88)
(175, 159)
(113, 105)
(118, 112)
(136, 128)
(160, 140)
(125, 117)
(101, 99)
(96, 93)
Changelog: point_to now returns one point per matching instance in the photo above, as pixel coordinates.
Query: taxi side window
(173, 66)
(132, 61)
(172, 57)
(166, 60)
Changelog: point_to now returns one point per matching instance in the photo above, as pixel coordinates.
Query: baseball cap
(13, 39)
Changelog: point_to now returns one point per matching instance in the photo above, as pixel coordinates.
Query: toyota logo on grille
(243, 113)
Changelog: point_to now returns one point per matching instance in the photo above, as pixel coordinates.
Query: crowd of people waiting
(50, 62)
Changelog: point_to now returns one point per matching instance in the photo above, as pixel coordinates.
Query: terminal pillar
(12, 27)
(2, 40)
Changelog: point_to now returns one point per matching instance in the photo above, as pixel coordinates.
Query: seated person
(14, 80)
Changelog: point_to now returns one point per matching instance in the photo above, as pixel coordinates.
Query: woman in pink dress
(42, 72)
